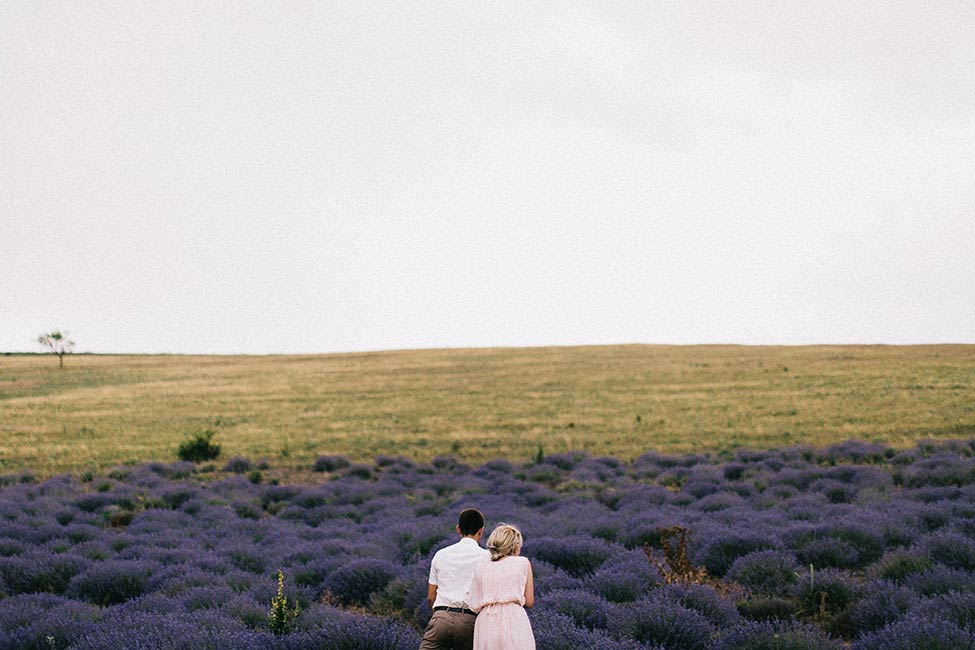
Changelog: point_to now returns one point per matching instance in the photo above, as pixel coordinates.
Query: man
(452, 624)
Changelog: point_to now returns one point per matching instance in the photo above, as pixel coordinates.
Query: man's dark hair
(470, 521)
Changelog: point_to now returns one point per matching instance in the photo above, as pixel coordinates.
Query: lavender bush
(915, 633)
(766, 573)
(771, 635)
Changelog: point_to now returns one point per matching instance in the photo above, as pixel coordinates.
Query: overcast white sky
(311, 177)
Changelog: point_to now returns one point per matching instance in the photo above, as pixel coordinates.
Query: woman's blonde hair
(505, 540)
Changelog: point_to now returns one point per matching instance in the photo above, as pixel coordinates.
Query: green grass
(478, 404)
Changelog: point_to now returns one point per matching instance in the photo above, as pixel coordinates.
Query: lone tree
(59, 344)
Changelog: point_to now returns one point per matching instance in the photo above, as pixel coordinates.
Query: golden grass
(478, 404)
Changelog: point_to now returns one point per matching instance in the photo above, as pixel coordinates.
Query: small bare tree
(676, 567)
(58, 342)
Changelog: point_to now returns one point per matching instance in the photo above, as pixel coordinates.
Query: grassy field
(478, 404)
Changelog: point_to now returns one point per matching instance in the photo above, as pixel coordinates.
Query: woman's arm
(530, 587)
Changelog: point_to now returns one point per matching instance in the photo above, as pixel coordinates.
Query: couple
(492, 587)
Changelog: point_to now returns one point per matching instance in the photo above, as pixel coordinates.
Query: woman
(501, 590)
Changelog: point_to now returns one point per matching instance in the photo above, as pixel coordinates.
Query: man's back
(452, 569)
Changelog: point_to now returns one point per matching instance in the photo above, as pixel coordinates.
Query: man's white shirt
(452, 570)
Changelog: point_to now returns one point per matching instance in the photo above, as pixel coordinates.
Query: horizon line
(491, 347)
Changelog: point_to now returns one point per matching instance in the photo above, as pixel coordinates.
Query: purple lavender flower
(882, 603)
(666, 624)
(955, 608)
(578, 557)
(766, 573)
(775, 635)
(555, 631)
(916, 633)
(587, 610)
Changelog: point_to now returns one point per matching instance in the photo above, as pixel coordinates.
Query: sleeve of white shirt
(433, 572)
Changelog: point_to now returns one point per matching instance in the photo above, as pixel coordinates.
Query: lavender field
(856, 545)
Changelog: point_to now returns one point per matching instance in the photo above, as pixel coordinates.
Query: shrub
(577, 557)
(834, 491)
(109, 583)
(355, 582)
(57, 627)
(941, 580)
(639, 535)
(775, 635)
(953, 550)
(584, 608)
(915, 634)
(172, 471)
(669, 625)
(734, 471)
(36, 574)
(828, 552)
(856, 451)
(554, 631)
(248, 557)
(700, 485)
(941, 470)
(314, 573)
(624, 579)
(883, 603)
(237, 465)
(330, 463)
(702, 599)
(673, 478)
(721, 552)
(618, 586)
(566, 461)
(900, 564)
(205, 597)
(328, 627)
(416, 541)
(934, 494)
(955, 608)
(359, 470)
(549, 475)
(762, 609)
(134, 630)
(20, 611)
(825, 592)
(93, 502)
(11, 547)
(549, 579)
(719, 501)
(841, 546)
(248, 510)
(766, 573)
(199, 447)
(247, 611)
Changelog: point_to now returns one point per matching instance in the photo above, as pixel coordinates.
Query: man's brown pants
(449, 631)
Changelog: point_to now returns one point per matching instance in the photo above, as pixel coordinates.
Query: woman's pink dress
(498, 596)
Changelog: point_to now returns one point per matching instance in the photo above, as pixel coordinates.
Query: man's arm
(530, 588)
(431, 593)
